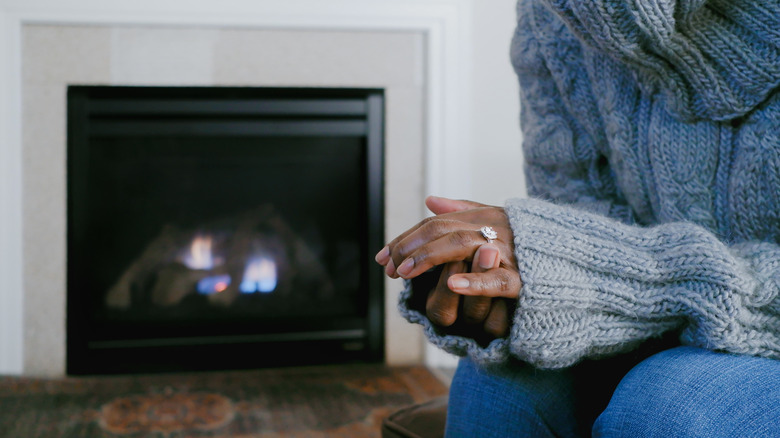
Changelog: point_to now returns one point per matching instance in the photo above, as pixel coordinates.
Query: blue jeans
(680, 392)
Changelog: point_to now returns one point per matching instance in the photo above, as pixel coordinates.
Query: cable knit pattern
(715, 59)
(653, 208)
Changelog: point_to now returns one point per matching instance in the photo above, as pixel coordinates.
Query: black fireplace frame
(92, 110)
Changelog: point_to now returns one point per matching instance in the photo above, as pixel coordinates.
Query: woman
(637, 293)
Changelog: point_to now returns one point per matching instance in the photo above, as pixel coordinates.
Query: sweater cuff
(495, 352)
(584, 288)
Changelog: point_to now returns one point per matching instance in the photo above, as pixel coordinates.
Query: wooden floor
(328, 401)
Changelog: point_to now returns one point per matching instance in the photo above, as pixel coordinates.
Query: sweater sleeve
(714, 59)
(595, 287)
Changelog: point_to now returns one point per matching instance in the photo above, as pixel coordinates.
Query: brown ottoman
(424, 420)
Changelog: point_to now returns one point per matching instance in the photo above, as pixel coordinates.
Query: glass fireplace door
(207, 221)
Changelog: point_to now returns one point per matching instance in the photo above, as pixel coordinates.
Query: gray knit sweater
(652, 145)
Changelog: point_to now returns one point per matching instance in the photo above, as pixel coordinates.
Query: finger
(476, 308)
(497, 321)
(477, 216)
(438, 205)
(390, 269)
(456, 245)
(442, 304)
(501, 282)
(404, 245)
(428, 229)
(383, 256)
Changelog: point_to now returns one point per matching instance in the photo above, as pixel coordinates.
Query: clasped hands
(479, 281)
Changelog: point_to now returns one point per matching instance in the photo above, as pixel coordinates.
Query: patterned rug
(331, 401)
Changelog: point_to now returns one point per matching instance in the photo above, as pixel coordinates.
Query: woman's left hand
(454, 235)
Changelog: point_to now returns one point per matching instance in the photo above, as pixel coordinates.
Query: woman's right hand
(489, 316)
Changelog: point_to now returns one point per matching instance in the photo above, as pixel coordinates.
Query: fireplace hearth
(222, 228)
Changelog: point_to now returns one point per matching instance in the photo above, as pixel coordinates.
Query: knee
(693, 392)
(506, 401)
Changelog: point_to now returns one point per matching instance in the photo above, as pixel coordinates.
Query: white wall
(495, 134)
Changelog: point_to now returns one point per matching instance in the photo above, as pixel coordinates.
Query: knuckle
(420, 256)
(441, 315)
(415, 254)
(461, 238)
(506, 282)
(498, 213)
(503, 282)
(433, 226)
(496, 328)
(398, 252)
(426, 221)
(476, 310)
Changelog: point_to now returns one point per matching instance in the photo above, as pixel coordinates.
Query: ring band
(489, 233)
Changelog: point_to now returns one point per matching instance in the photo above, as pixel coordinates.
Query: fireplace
(223, 227)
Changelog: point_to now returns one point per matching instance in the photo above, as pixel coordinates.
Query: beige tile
(318, 58)
(44, 276)
(43, 142)
(65, 54)
(43, 131)
(162, 56)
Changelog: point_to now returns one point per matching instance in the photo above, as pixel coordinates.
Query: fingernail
(406, 267)
(487, 258)
(383, 255)
(459, 283)
(390, 268)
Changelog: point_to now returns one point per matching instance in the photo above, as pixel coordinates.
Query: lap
(688, 391)
(681, 391)
(509, 400)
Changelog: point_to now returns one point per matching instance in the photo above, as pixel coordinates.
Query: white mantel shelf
(445, 24)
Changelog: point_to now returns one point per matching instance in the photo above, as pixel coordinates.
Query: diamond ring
(488, 233)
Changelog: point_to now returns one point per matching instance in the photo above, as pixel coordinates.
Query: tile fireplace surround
(406, 56)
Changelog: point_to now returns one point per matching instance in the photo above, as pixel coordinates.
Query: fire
(200, 255)
(259, 272)
(213, 284)
(259, 276)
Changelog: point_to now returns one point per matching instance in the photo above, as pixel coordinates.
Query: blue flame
(213, 284)
(259, 276)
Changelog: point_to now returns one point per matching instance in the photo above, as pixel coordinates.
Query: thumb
(439, 205)
(487, 257)
(477, 308)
